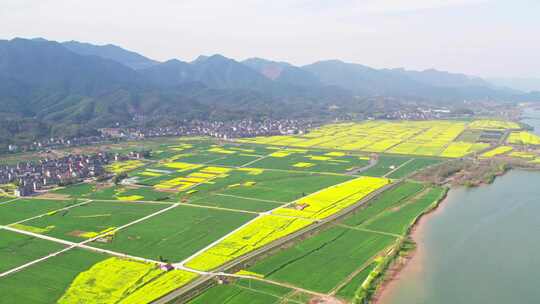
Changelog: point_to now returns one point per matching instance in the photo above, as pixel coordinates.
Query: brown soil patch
(325, 300)
(101, 186)
(77, 233)
(54, 196)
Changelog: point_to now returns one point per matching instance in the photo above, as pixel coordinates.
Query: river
(481, 246)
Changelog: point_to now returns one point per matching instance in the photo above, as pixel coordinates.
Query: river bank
(406, 255)
(474, 248)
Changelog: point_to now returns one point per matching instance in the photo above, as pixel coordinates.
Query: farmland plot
(320, 263)
(87, 221)
(46, 282)
(27, 208)
(18, 249)
(243, 291)
(175, 234)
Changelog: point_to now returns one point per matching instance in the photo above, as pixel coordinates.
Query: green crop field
(211, 188)
(385, 165)
(17, 249)
(4, 199)
(176, 234)
(121, 192)
(78, 190)
(339, 164)
(270, 185)
(386, 200)
(413, 166)
(26, 208)
(347, 291)
(235, 202)
(45, 282)
(233, 160)
(321, 262)
(241, 292)
(93, 217)
(398, 220)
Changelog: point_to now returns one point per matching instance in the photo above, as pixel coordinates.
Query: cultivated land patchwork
(281, 219)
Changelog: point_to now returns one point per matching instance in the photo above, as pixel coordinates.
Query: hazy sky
(478, 37)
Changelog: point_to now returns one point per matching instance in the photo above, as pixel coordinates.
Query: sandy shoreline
(413, 262)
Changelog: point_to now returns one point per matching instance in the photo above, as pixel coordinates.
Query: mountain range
(71, 88)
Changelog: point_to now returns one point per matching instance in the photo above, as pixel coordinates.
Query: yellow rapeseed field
(460, 149)
(285, 220)
(257, 233)
(423, 138)
(525, 155)
(205, 174)
(523, 138)
(33, 229)
(116, 280)
(333, 199)
(497, 151)
(123, 166)
(491, 124)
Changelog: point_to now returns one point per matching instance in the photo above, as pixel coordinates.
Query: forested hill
(50, 88)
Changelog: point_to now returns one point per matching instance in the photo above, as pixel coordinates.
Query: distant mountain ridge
(112, 52)
(72, 88)
(282, 72)
(521, 84)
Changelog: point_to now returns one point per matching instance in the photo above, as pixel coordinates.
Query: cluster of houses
(217, 129)
(31, 177)
(56, 142)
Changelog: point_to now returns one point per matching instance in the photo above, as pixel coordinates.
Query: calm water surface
(532, 118)
(481, 246)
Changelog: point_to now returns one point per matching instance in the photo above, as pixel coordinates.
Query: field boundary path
(53, 211)
(82, 245)
(372, 163)
(398, 167)
(186, 288)
(9, 201)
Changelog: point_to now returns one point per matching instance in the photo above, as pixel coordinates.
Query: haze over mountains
(51, 88)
